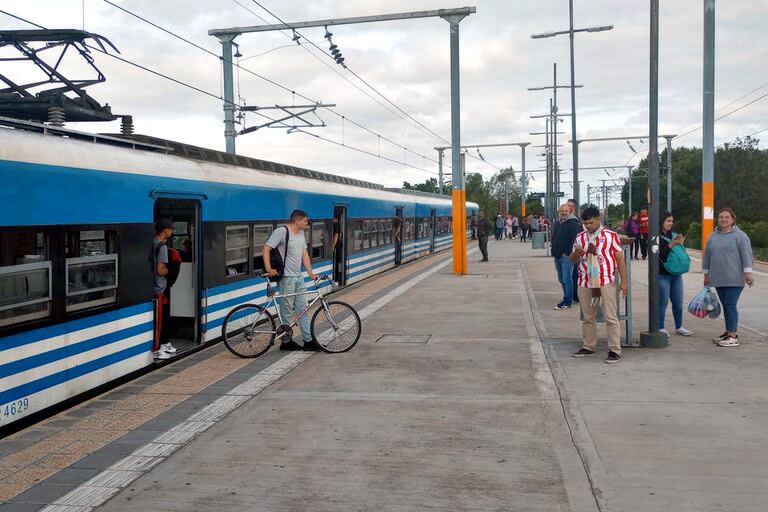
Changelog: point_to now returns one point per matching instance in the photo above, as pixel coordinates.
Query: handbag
(678, 262)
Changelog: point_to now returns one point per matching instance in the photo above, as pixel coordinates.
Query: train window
(366, 234)
(374, 234)
(409, 229)
(91, 269)
(261, 233)
(308, 240)
(388, 231)
(236, 256)
(318, 240)
(25, 277)
(380, 231)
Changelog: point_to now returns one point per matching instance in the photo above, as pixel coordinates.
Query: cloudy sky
(408, 62)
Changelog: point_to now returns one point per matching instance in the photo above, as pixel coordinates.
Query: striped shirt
(598, 270)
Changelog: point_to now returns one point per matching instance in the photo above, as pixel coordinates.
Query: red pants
(162, 309)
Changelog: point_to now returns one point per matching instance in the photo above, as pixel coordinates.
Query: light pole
(708, 140)
(571, 32)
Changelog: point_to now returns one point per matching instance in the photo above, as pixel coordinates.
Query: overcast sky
(408, 61)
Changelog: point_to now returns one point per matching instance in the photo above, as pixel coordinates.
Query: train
(77, 210)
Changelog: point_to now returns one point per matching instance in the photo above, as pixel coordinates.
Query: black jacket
(564, 235)
(482, 228)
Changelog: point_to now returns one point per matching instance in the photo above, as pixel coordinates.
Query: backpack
(173, 265)
(277, 260)
(678, 262)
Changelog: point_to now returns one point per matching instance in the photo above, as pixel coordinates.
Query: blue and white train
(76, 223)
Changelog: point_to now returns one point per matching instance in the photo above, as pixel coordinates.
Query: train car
(76, 227)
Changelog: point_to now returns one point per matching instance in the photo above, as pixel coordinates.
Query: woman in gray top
(727, 266)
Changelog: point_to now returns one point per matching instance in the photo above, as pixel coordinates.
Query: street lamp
(571, 31)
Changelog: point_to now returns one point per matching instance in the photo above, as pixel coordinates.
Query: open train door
(339, 243)
(183, 314)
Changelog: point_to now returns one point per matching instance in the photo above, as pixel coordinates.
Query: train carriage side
(76, 222)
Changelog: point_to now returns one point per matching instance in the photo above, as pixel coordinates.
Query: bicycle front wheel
(336, 327)
(248, 330)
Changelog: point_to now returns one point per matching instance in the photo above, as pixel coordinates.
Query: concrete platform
(461, 395)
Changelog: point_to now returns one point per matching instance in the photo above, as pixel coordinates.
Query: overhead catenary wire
(262, 77)
(217, 97)
(752, 102)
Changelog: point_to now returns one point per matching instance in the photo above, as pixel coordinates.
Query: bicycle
(249, 330)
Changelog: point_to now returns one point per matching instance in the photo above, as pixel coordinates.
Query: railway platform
(461, 395)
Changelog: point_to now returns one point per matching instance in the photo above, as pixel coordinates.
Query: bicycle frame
(274, 300)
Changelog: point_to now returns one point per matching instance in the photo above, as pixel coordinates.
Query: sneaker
(575, 300)
(730, 341)
(167, 347)
(290, 345)
(612, 358)
(720, 338)
(161, 354)
(683, 331)
(309, 346)
(665, 332)
(561, 306)
(583, 352)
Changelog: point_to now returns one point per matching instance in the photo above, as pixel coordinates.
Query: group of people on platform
(590, 262)
(511, 227)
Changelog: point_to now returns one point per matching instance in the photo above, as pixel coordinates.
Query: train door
(339, 244)
(432, 231)
(183, 325)
(398, 231)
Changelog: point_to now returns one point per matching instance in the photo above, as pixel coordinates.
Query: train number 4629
(16, 407)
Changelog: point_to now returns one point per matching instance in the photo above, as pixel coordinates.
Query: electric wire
(726, 114)
(281, 86)
(212, 95)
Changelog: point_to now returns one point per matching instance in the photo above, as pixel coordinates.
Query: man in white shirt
(292, 280)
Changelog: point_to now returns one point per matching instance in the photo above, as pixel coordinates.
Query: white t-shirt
(296, 245)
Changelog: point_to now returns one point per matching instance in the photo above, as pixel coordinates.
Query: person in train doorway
(574, 214)
(483, 231)
(645, 230)
(564, 232)
(290, 241)
(397, 235)
(599, 254)
(473, 225)
(338, 251)
(162, 347)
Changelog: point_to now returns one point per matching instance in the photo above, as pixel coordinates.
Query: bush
(757, 232)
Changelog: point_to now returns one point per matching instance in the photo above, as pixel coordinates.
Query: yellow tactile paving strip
(34, 463)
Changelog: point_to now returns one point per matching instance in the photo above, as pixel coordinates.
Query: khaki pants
(609, 305)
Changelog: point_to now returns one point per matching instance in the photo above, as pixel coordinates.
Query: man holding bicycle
(292, 280)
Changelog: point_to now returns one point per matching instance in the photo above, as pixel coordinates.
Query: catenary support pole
(669, 174)
(574, 137)
(523, 181)
(653, 337)
(229, 93)
(708, 141)
(457, 174)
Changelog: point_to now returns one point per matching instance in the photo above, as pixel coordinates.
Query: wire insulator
(56, 116)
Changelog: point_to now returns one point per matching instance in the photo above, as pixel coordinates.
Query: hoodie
(727, 257)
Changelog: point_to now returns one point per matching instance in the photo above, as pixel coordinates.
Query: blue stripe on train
(72, 373)
(25, 338)
(74, 349)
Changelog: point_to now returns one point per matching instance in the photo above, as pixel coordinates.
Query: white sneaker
(720, 338)
(684, 332)
(730, 341)
(161, 354)
(665, 332)
(167, 347)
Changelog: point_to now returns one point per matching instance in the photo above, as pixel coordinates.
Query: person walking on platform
(670, 283)
(564, 233)
(645, 230)
(515, 226)
(292, 245)
(727, 265)
(508, 227)
(473, 225)
(524, 229)
(499, 227)
(483, 230)
(534, 224)
(572, 205)
(632, 229)
(598, 252)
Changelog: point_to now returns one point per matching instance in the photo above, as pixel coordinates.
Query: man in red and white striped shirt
(599, 254)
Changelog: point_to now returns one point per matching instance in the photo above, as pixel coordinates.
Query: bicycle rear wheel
(248, 330)
(336, 327)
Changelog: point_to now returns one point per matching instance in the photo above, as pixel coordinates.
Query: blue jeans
(295, 284)
(564, 267)
(671, 289)
(729, 297)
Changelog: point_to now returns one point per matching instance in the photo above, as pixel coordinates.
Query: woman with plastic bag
(727, 266)
(673, 263)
